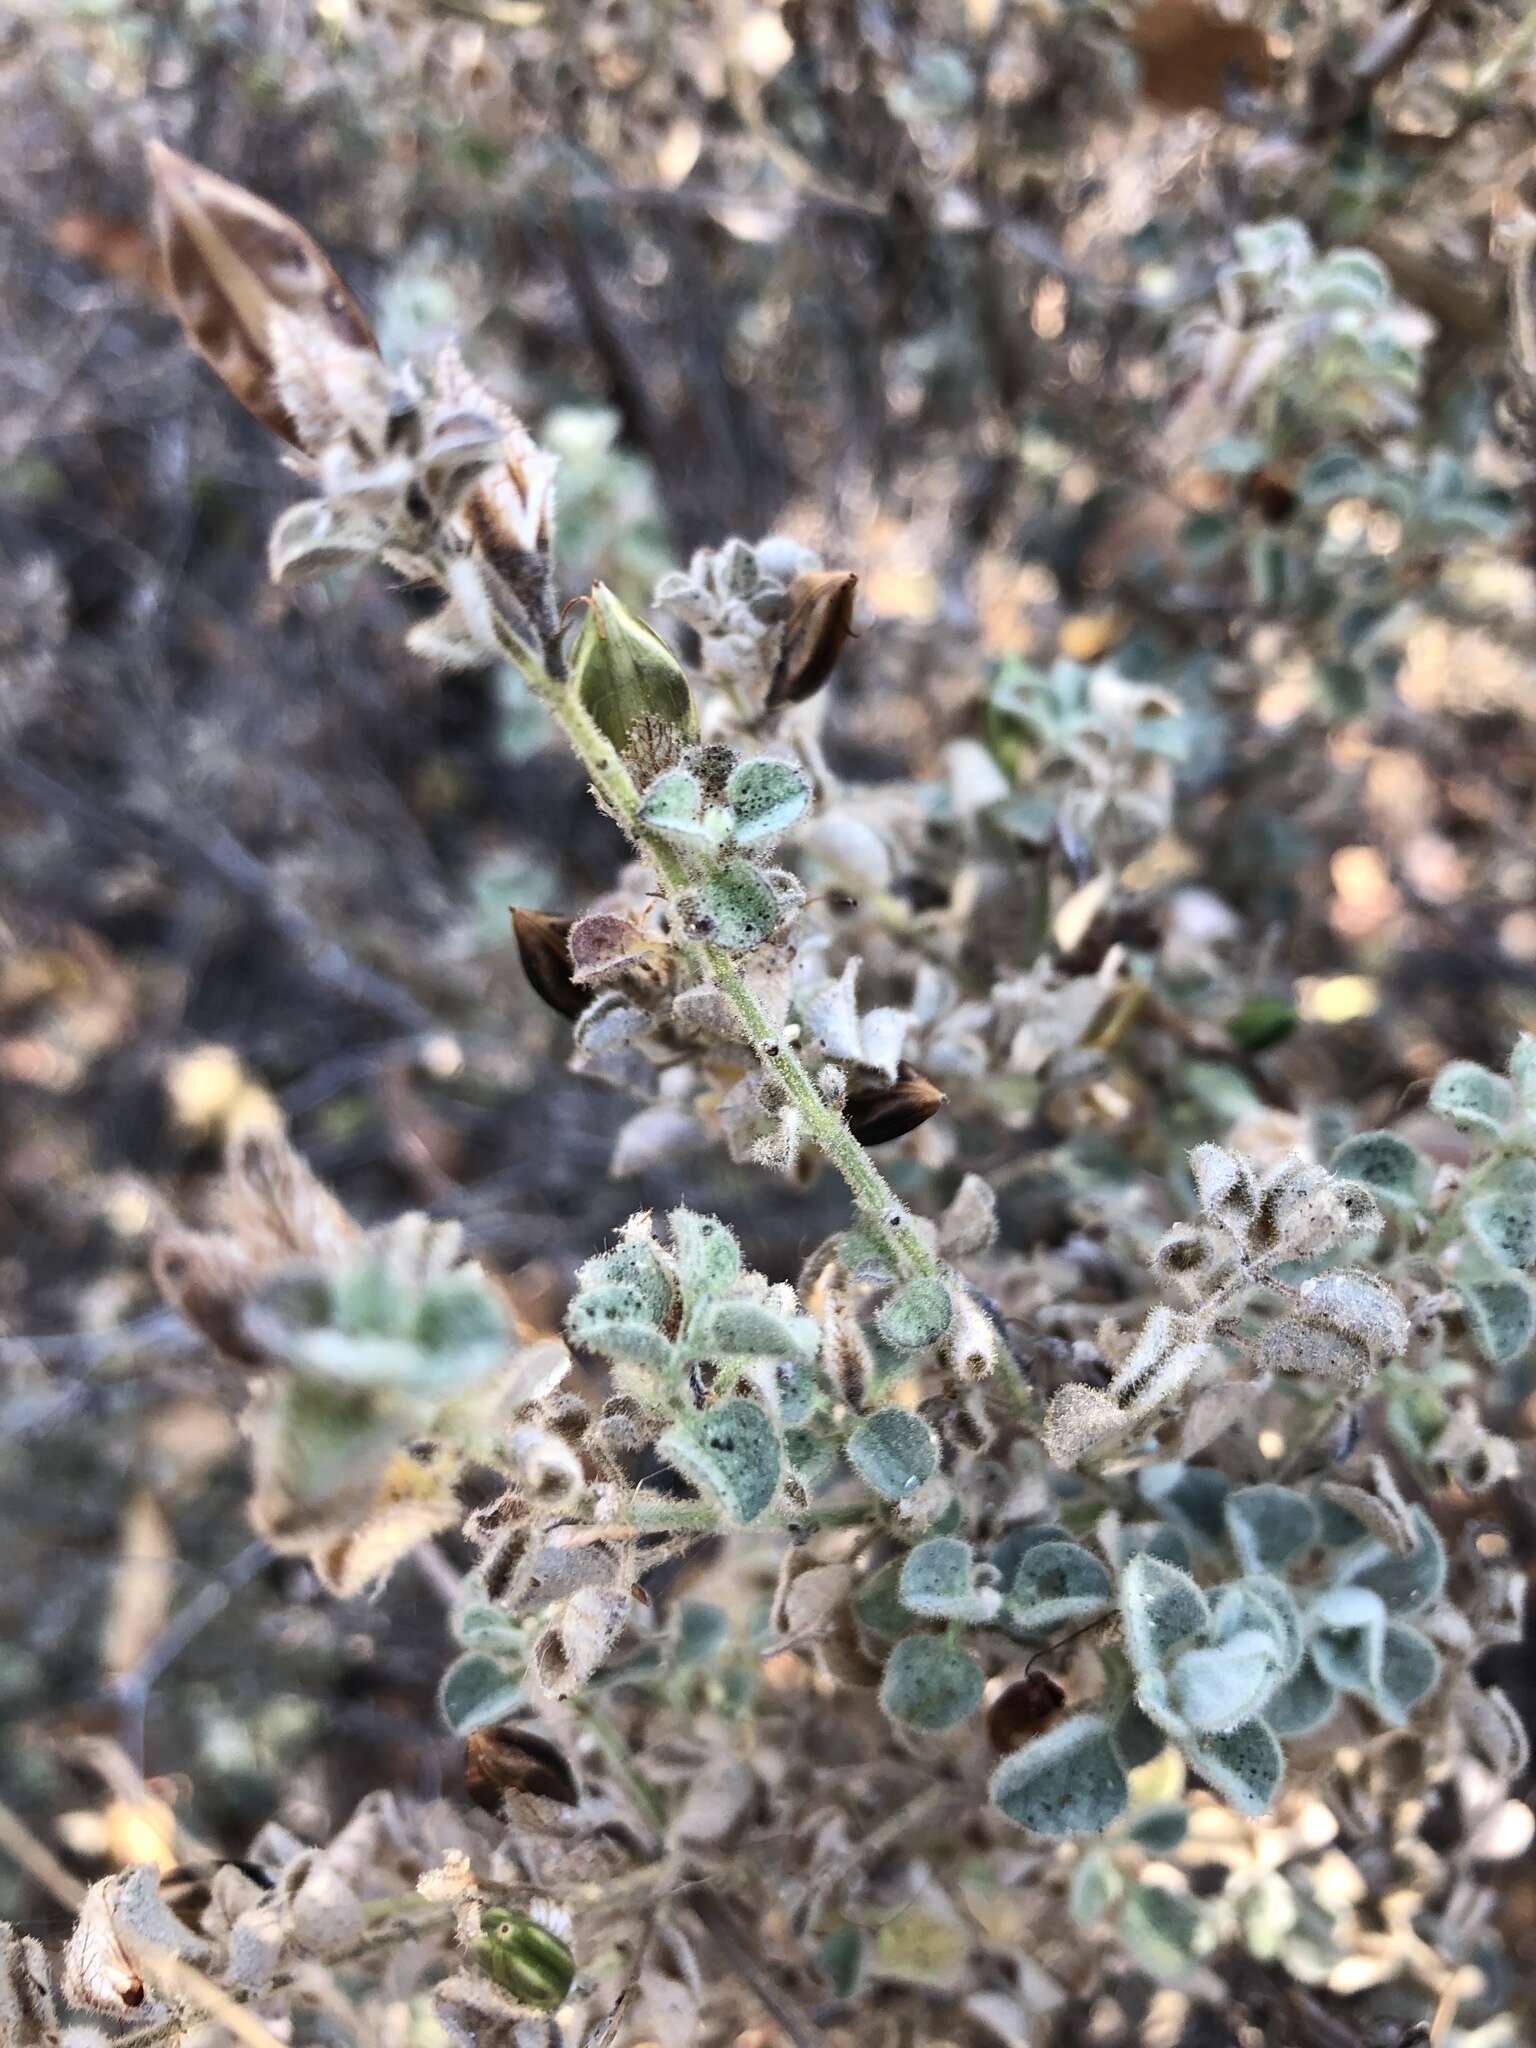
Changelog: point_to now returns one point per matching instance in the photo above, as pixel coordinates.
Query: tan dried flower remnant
(360, 1340)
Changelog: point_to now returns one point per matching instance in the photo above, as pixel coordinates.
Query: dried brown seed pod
(503, 1557)
(818, 626)
(544, 946)
(507, 1759)
(1270, 494)
(1023, 1710)
(187, 1888)
(233, 264)
(890, 1109)
(846, 1356)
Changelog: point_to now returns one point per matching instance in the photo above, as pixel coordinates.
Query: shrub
(1062, 1571)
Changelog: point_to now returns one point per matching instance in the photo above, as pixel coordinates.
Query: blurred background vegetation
(943, 288)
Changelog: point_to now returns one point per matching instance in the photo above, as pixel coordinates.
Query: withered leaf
(232, 263)
(276, 1208)
(1271, 495)
(1191, 56)
(544, 947)
(887, 1111)
(209, 1280)
(818, 626)
(120, 248)
(603, 944)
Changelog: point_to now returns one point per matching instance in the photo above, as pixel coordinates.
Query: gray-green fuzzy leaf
(1058, 1585)
(1162, 1607)
(930, 1685)
(737, 1328)
(1472, 1098)
(736, 908)
(731, 1451)
(938, 1582)
(1066, 1782)
(1269, 1526)
(1303, 1703)
(708, 1256)
(766, 797)
(476, 1690)
(916, 1316)
(894, 1452)
(1245, 1767)
(1383, 1162)
(1502, 1316)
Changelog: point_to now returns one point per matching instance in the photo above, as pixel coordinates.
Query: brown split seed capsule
(818, 627)
(507, 1759)
(1024, 1710)
(878, 1115)
(544, 946)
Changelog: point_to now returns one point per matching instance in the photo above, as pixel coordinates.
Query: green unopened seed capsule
(626, 676)
(528, 1962)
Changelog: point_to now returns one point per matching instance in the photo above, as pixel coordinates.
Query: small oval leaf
(1068, 1782)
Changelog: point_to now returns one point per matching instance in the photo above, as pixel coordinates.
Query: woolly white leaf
(1225, 1186)
(1078, 1419)
(1361, 1307)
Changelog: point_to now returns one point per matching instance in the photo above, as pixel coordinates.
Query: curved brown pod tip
(544, 947)
(879, 1115)
(817, 627)
(507, 1759)
(232, 263)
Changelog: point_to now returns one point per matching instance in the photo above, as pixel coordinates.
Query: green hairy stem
(885, 1216)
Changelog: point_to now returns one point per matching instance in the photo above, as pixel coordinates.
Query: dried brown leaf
(1191, 56)
(277, 1209)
